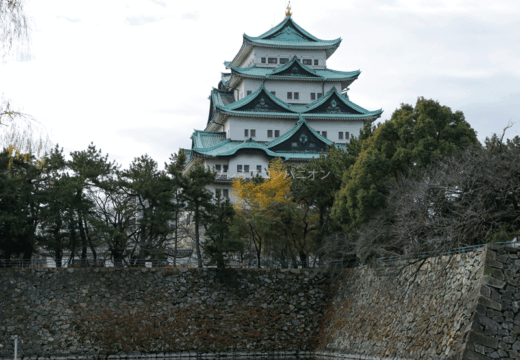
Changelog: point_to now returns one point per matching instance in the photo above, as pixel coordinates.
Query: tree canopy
(413, 138)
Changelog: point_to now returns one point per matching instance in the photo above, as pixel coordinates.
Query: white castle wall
(305, 88)
(259, 53)
(235, 127)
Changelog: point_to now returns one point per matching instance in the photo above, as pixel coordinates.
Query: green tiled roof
(290, 34)
(222, 101)
(230, 148)
(189, 155)
(308, 74)
(205, 139)
(226, 63)
(301, 122)
(328, 95)
(222, 98)
(215, 144)
(260, 91)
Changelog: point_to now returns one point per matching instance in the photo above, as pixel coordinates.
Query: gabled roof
(290, 34)
(334, 103)
(261, 101)
(308, 144)
(286, 136)
(287, 35)
(292, 70)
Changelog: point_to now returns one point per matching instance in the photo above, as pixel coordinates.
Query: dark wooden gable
(263, 103)
(334, 105)
(302, 140)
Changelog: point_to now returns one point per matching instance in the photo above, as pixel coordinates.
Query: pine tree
(413, 138)
(219, 237)
(196, 197)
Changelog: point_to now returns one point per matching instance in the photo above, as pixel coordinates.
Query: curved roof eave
(244, 50)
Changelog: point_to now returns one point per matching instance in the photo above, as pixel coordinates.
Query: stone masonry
(107, 311)
(455, 307)
(461, 307)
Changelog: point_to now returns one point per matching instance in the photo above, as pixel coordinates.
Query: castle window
(225, 168)
(248, 92)
(272, 60)
(324, 134)
(246, 168)
(307, 62)
(284, 60)
(318, 132)
(246, 132)
(340, 135)
(263, 60)
(315, 62)
(269, 133)
(277, 133)
(320, 95)
(217, 167)
(253, 133)
(259, 169)
(313, 96)
(347, 135)
(239, 168)
(296, 96)
(273, 92)
(217, 192)
(226, 193)
(289, 95)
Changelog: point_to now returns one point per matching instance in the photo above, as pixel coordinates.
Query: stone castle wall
(460, 307)
(123, 311)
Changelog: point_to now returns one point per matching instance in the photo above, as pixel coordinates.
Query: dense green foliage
(413, 138)
(346, 197)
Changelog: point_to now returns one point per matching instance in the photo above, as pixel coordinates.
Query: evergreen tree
(88, 169)
(20, 205)
(150, 189)
(219, 237)
(196, 197)
(58, 196)
(175, 169)
(413, 138)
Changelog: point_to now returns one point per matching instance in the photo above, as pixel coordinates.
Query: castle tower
(277, 99)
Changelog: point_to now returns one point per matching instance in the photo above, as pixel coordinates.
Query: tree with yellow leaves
(259, 202)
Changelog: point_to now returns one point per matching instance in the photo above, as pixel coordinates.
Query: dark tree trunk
(58, 257)
(83, 240)
(304, 259)
(197, 238)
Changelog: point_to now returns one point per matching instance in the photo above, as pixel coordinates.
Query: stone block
(498, 274)
(493, 282)
(489, 303)
(471, 355)
(494, 264)
(485, 321)
(482, 339)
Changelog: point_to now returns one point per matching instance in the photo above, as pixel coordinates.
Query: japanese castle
(277, 99)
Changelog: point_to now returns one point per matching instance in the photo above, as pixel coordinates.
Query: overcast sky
(133, 76)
